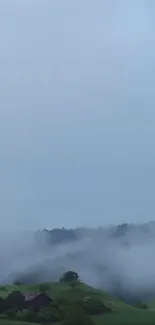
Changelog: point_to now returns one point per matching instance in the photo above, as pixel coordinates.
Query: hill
(65, 292)
(122, 314)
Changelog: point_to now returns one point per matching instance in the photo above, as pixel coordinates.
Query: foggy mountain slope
(122, 263)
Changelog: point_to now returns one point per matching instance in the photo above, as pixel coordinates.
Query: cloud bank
(122, 265)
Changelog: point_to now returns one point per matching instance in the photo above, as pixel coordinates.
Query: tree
(14, 299)
(141, 305)
(56, 235)
(18, 283)
(69, 277)
(122, 230)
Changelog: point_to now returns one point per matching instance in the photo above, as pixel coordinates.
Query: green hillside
(65, 292)
(122, 314)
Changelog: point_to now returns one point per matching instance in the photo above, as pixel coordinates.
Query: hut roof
(31, 295)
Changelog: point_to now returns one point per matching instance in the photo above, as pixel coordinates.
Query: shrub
(51, 314)
(144, 306)
(95, 306)
(27, 316)
(77, 316)
(141, 305)
(11, 313)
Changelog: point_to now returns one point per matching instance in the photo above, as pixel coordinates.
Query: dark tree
(15, 299)
(56, 235)
(69, 277)
(18, 283)
(2, 305)
(122, 230)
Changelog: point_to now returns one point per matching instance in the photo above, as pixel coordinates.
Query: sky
(77, 112)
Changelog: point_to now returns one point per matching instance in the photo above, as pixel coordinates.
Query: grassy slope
(151, 304)
(137, 317)
(124, 314)
(63, 291)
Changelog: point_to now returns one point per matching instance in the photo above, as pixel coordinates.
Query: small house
(36, 300)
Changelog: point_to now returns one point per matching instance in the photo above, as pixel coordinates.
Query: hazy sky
(77, 112)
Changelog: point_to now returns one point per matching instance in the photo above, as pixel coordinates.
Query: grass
(123, 315)
(137, 317)
(63, 291)
(151, 304)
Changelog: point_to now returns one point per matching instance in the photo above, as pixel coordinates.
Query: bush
(11, 313)
(77, 316)
(51, 314)
(69, 277)
(27, 316)
(141, 305)
(94, 306)
(145, 306)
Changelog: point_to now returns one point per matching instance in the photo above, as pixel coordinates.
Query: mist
(76, 113)
(76, 140)
(122, 265)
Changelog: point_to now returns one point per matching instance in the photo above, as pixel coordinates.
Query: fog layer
(120, 263)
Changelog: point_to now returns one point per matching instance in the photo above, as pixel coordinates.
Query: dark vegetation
(69, 277)
(57, 235)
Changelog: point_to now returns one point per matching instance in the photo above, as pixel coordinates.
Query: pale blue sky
(77, 112)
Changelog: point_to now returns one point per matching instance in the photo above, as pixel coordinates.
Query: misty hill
(63, 235)
(118, 259)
